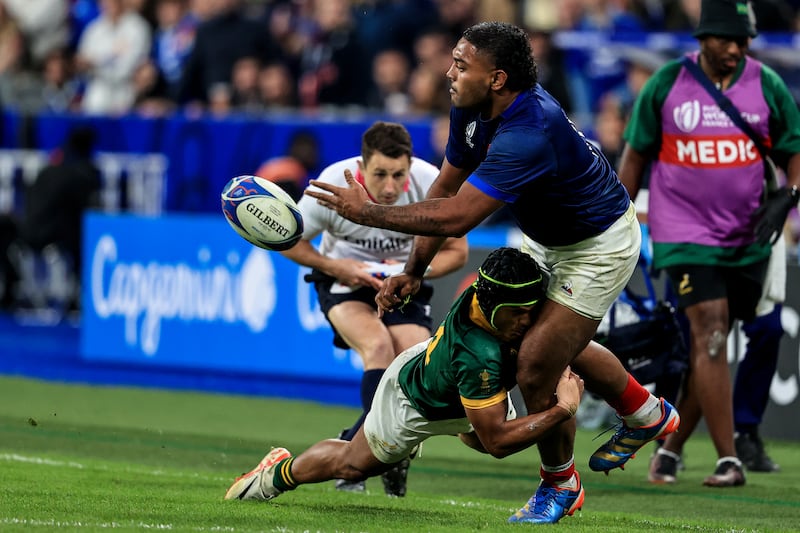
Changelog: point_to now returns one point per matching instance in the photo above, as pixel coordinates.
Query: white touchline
(73, 524)
(38, 460)
(72, 464)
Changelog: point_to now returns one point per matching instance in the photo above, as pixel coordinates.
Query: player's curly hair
(508, 277)
(510, 48)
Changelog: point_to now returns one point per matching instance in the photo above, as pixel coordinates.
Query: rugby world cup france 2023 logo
(687, 115)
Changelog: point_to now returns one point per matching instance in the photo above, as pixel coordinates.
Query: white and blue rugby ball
(262, 213)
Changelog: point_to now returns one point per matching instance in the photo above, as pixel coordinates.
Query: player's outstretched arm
(443, 217)
(452, 255)
(424, 249)
(501, 437)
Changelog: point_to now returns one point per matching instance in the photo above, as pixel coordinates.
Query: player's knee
(717, 342)
(377, 360)
(378, 354)
(530, 376)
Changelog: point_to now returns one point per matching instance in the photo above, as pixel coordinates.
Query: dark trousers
(755, 371)
(8, 273)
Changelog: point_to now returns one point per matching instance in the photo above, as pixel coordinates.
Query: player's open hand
(569, 391)
(394, 291)
(353, 273)
(347, 201)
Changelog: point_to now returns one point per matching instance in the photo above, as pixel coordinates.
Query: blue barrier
(186, 291)
(51, 352)
(204, 153)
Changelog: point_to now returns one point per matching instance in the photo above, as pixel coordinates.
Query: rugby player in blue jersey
(511, 144)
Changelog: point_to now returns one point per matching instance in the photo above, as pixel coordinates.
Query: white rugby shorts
(589, 275)
(393, 426)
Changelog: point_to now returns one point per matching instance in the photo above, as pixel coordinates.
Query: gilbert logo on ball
(262, 213)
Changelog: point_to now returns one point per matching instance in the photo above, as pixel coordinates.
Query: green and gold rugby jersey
(463, 365)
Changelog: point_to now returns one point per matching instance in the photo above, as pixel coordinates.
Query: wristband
(794, 194)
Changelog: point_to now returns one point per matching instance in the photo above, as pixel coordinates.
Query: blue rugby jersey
(560, 189)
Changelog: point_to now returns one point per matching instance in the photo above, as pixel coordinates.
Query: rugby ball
(262, 213)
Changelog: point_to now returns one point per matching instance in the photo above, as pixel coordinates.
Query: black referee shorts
(417, 311)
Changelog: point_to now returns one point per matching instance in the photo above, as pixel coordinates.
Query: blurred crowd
(218, 57)
(155, 57)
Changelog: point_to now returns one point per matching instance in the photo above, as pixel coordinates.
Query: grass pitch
(83, 458)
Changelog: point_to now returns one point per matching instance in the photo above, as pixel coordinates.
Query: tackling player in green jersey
(454, 383)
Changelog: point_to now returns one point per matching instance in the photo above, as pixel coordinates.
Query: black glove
(771, 216)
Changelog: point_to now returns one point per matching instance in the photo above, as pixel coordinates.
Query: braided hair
(508, 277)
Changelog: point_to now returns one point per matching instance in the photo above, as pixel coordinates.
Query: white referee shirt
(344, 239)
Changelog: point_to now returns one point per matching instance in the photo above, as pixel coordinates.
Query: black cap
(726, 18)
